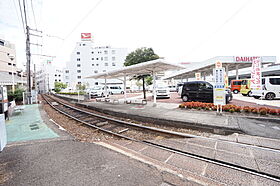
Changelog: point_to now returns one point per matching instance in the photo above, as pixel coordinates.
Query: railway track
(138, 133)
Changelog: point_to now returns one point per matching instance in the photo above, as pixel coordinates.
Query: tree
(58, 86)
(81, 87)
(17, 95)
(141, 55)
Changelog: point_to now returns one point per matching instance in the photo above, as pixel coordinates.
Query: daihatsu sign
(85, 36)
(245, 59)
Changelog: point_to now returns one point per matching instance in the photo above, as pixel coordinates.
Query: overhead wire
(83, 19)
(33, 14)
(221, 26)
(23, 23)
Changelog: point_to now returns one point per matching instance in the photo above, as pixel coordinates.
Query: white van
(113, 89)
(270, 88)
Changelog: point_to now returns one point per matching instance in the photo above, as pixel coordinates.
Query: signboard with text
(219, 86)
(245, 59)
(198, 76)
(256, 74)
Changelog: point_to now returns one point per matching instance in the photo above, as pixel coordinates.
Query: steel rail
(171, 132)
(191, 155)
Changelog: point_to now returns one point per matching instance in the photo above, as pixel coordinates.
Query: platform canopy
(149, 67)
(229, 62)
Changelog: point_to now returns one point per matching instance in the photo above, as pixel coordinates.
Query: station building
(88, 59)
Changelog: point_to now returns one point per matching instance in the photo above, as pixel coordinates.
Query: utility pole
(28, 56)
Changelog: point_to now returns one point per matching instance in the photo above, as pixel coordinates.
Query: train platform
(170, 114)
(28, 125)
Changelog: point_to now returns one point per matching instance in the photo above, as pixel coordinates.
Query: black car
(200, 91)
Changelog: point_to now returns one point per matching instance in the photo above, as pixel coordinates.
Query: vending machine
(3, 111)
(3, 100)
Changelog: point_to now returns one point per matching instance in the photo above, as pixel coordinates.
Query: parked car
(172, 88)
(162, 91)
(95, 91)
(235, 85)
(245, 89)
(113, 89)
(270, 88)
(201, 91)
(178, 86)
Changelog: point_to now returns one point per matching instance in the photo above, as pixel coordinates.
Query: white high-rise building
(88, 59)
(46, 76)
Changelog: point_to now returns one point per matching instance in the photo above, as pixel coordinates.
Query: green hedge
(71, 93)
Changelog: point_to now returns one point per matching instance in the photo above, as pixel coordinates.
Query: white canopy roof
(149, 67)
(207, 66)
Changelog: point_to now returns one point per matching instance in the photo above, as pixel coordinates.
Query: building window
(101, 58)
(96, 71)
(66, 77)
(79, 71)
(55, 75)
(92, 58)
(106, 58)
(59, 80)
(66, 71)
(113, 58)
(79, 82)
(106, 64)
(84, 44)
(14, 65)
(105, 52)
(92, 64)
(55, 80)
(97, 64)
(78, 65)
(92, 52)
(78, 53)
(78, 59)
(104, 70)
(113, 51)
(79, 77)
(59, 75)
(9, 63)
(113, 64)
(96, 58)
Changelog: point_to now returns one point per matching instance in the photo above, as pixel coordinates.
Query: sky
(179, 30)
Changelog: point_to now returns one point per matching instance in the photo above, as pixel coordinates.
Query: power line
(83, 19)
(33, 14)
(18, 16)
(221, 26)
(21, 16)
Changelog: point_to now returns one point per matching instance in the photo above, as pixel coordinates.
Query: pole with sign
(219, 86)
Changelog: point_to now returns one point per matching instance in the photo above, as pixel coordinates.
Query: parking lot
(238, 99)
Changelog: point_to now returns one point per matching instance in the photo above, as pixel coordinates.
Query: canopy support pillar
(154, 90)
(236, 68)
(106, 92)
(124, 84)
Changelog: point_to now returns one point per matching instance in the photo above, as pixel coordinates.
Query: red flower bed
(230, 108)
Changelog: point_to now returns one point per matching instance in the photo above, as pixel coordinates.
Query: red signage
(256, 74)
(246, 59)
(86, 36)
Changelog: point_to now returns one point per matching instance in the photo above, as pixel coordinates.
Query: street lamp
(12, 57)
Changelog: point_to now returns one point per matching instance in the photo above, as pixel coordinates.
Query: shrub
(273, 111)
(255, 110)
(246, 109)
(17, 95)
